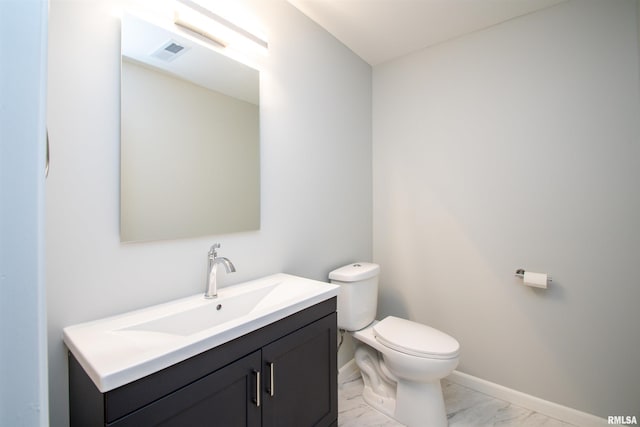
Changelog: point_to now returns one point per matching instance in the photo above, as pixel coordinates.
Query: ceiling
(381, 30)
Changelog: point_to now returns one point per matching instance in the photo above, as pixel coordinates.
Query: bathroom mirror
(190, 162)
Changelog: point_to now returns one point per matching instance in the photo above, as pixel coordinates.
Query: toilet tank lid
(355, 272)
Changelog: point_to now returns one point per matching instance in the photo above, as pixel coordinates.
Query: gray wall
(519, 146)
(315, 174)
(23, 350)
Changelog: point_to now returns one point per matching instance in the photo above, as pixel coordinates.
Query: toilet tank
(358, 294)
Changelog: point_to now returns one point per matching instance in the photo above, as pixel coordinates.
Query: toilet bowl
(401, 361)
(417, 400)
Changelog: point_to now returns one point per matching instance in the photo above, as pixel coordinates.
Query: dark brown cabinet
(284, 374)
(223, 398)
(300, 377)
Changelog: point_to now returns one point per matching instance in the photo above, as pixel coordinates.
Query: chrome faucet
(212, 272)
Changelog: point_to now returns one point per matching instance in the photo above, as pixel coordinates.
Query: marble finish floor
(465, 408)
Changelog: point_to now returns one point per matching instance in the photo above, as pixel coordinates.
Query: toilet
(401, 361)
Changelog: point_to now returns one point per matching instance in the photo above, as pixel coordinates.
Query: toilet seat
(415, 339)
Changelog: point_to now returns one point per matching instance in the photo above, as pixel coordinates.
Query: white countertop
(118, 350)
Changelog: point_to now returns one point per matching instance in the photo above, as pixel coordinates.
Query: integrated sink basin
(208, 314)
(120, 349)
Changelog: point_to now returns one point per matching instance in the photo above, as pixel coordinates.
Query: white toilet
(401, 361)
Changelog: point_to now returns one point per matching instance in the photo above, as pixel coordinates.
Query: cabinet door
(226, 397)
(300, 377)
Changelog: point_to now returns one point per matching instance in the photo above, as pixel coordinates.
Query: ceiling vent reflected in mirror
(169, 51)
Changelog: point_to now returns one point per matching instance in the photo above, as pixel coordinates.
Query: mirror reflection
(189, 137)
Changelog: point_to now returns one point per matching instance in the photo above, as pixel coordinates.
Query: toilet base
(420, 404)
(379, 389)
(414, 404)
(417, 404)
(386, 405)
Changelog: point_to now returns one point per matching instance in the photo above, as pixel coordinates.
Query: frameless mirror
(190, 162)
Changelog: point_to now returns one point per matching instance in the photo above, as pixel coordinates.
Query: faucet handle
(212, 252)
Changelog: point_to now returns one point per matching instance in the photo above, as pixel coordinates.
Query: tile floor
(465, 408)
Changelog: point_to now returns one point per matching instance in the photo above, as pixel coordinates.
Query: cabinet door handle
(272, 379)
(46, 160)
(257, 399)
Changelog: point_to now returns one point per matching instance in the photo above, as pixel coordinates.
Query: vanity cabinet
(223, 398)
(284, 374)
(301, 378)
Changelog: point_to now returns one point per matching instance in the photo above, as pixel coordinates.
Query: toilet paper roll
(538, 280)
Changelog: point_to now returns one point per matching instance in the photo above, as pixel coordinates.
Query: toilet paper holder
(520, 273)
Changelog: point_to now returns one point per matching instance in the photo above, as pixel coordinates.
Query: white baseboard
(550, 409)
(349, 372)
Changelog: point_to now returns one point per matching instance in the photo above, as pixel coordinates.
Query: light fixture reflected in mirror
(180, 21)
(204, 22)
